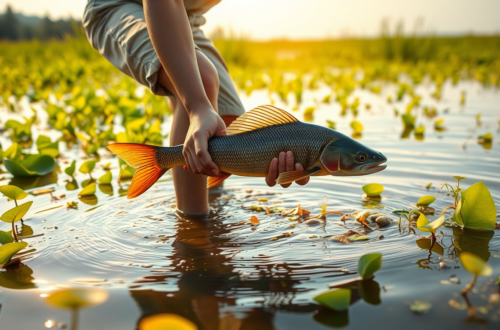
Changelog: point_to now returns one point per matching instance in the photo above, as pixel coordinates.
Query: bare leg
(190, 189)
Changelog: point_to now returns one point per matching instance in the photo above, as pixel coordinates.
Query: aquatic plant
(424, 225)
(426, 200)
(368, 264)
(17, 213)
(87, 168)
(166, 321)
(373, 189)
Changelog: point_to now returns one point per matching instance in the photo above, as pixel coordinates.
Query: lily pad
(369, 264)
(166, 321)
(424, 225)
(88, 190)
(426, 200)
(474, 264)
(77, 298)
(17, 213)
(476, 208)
(373, 189)
(13, 192)
(6, 237)
(336, 299)
(70, 170)
(88, 166)
(106, 178)
(7, 251)
(420, 307)
(32, 165)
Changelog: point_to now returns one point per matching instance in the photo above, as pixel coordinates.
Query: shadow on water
(31, 182)
(18, 277)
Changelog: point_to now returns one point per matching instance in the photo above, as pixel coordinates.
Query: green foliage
(87, 167)
(88, 190)
(373, 189)
(106, 178)
(474, 264)
(17, 213)
(5, 237)
(426, 200)
(8, 250)
(476, 208)
(31, 165)
(424, 225)
(369, 264)
(13, 192)
(77, 298)
(336, 299)
(357, 127)
(70, 170)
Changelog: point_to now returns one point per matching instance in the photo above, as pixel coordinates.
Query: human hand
(284, 163)
(201, 128)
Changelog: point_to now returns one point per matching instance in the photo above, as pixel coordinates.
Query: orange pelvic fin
(291, 176)
(213, 180)
(142, 157)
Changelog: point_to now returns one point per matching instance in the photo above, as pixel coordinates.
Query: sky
(306, 19)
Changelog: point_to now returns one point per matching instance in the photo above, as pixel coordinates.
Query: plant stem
(74, 319)
(433, 238)
(469, 286)
(470, 309)
(447, 208)
(14, 231)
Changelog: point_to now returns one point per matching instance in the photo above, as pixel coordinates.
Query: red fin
(142, 157)
(291, 176)
(214, 180)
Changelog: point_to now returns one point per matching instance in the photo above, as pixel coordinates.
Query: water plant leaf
(474, 264)
(88, 190)
(77, 298)
(17, 213)
(357, 127)
(426, 200)
(32, 165)
(254, 220)
(336, 299)
(420, 307)
(87, 167)
(486, 138)
(13, 192)
(369, 264)
(373, 189)
(8, 250)
(424, 225)
(6, 237)
(106, 178)
(330, 124)
(166, 321)
(70, 170)
(458, 178)
(408, 120)
(476, 208)
(420, 130)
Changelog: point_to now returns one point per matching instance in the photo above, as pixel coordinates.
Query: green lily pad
(474, 264)
(426, 200)
(6, 237)
(336, 299)
(88, 166)
(77, 298)
(70, 170)
(7, 251)
(88, 190)
(369, 264)
(17, 213)
(476, 208)
(424, 225)
(13, 192)
(32, 165)
(357, 127)
(373, 189)
(106, 178)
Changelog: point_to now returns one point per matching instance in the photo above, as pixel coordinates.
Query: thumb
(221, 127)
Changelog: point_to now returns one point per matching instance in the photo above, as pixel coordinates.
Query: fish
(251, 143)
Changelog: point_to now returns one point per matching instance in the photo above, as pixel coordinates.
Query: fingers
(298, 167)
(273, 173)
(287, 164)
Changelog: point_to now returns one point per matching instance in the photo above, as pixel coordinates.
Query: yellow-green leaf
(7, 251)
(88, 190)
(88, 166)
(13, 192)
(166, 322)
(369, 264)
(426, 200)
(356, 126)
(474, 264)
(77, 298)
(70, 170)
(106, 178)
(488, 137)
(476, 208)
(336, 299)
(6, 237)
(373, 189)
(17, 213)
(424, 225)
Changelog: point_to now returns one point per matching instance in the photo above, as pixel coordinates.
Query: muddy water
(222, 273)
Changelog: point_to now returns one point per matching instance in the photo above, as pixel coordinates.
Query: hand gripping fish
(252, 141)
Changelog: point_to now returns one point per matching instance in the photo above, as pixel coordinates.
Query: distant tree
(10, 27)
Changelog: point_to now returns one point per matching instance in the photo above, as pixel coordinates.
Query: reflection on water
(18, 277)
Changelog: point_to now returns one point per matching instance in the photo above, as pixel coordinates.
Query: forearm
(171, 35)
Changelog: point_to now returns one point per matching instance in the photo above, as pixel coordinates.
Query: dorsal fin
(263, 116)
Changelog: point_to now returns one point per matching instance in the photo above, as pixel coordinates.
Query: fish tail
(142, 157)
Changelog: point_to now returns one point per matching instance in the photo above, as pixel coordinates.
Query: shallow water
(222, 273)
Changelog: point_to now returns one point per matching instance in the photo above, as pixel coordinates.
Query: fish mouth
(377, 167)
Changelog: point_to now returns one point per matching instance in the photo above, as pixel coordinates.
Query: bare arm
(171, 35)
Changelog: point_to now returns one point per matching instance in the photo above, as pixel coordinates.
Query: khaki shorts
(117, 29)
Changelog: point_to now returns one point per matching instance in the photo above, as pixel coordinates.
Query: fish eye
(360, 157)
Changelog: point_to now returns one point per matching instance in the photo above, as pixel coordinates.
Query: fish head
(347, 157)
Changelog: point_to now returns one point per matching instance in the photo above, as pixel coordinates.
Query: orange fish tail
(142, 157)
